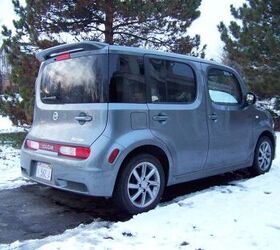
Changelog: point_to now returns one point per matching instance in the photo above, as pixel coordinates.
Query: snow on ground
(6, 126)
(244, 214)
(10, 176)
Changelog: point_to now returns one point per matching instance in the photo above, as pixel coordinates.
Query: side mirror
(250, 98)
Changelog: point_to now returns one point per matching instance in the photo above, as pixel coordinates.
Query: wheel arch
(154, 150)
(270, 135)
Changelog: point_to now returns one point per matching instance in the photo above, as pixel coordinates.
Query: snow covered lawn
(244, 214)
(10, 176)
(6, 126)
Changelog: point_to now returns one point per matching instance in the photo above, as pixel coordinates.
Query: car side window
(224, 87)
(157, 80)
(171, 82)
(127, 84)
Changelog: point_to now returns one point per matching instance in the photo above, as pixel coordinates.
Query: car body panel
(185, 129)
(231, 130)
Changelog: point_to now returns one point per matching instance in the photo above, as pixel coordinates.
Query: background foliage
(252, 45)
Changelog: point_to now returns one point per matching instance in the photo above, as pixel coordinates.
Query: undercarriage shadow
(175, 191)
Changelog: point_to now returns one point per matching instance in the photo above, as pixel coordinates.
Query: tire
(263, 156)
(140, 184)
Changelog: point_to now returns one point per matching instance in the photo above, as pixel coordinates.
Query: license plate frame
(43, 171)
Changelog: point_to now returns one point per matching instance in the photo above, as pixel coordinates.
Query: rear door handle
(83, 118)
(161, 117)
(213, 117)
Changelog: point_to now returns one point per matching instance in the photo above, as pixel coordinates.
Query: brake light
(77, 152)
(64, 56)
(70, 151)
(82, 152)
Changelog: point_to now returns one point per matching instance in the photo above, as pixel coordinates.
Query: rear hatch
(71, 106)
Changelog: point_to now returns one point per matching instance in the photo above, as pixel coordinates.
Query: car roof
(143, 51)
(92, 45)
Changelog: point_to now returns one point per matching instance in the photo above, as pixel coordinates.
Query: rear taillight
(70, 151)
(77, 152)
(32, 144)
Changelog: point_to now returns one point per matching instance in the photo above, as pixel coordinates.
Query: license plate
(44, 171)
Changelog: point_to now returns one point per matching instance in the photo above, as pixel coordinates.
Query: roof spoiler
(69, 48)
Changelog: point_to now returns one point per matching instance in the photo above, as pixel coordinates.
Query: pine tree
(253, 43)
(20, 50)
(159, 24)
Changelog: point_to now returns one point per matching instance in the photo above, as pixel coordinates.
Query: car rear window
(76, 80)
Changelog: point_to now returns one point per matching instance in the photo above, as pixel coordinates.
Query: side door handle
(213, 117)
(161, 117)
(83, 118)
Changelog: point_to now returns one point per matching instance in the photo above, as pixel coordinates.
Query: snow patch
(6, 126)
(269, 104)
(10, 176)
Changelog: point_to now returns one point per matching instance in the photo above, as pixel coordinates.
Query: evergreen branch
(149, 39)
(125, 24)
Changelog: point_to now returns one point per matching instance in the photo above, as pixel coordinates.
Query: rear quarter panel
(121, 129)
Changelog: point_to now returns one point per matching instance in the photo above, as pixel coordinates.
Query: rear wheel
(140, 184)
(263, 156)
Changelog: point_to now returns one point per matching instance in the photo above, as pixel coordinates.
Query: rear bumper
(71, 175)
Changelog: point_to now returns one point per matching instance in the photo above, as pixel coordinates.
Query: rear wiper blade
(53, 97)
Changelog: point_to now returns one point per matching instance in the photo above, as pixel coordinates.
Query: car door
(177, 111)
(230, 123)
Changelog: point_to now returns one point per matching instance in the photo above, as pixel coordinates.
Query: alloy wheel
(143, 184)
(264, 156)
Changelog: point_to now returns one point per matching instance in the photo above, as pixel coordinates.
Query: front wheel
(140, 184)
(263, 156)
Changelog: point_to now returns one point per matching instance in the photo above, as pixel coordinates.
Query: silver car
(123, 122)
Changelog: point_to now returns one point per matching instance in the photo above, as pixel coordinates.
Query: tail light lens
(70, 151)
(77, 152)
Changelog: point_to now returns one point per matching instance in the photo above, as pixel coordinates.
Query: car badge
(55, 116)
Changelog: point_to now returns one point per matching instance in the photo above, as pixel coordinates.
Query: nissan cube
(123, 122)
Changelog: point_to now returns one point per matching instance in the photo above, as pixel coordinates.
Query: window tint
(127, 84)
(223, 87)
(157, 80)
(77, 80)
(170, 81)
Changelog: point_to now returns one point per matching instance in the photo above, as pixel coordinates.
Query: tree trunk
(109, 12)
